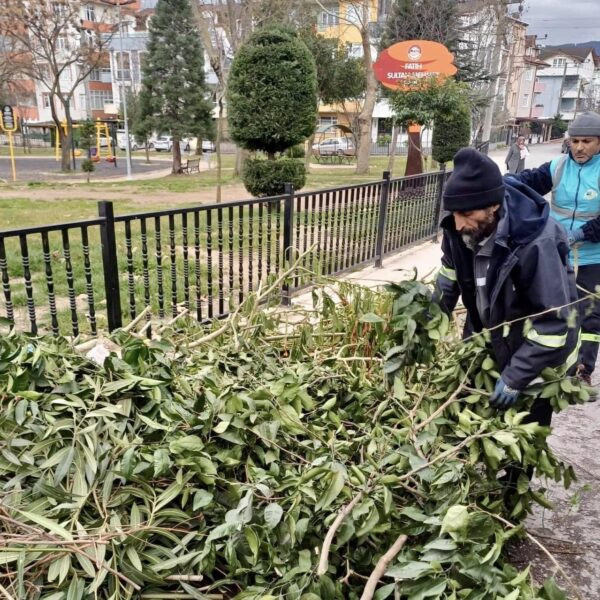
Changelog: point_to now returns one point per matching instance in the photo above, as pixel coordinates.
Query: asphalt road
(40, 168)
(538, 154)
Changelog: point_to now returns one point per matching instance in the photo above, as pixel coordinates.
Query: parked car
(341, 146)
(132, 141)
(165, 143)
(208, 146)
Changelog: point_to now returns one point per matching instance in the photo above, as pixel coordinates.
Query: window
(90, 13)
(355, 50)
(102, 74)
(62, 43)
(559, 62)
(529, 74)
(46, 99)
(329, 18)
(124, 69)
(98, 98)
(88, 37)
(327, 121)
(354, 14)
(525, 100)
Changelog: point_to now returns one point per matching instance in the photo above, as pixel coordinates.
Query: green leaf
(64, 466)
(187, 443)
(168, 495)
(371, 318)
(552, 591)
(134, 558)
(202, 498)
(336, 484)
(411, 570)
(455, 520)
(384, 592)
(49, 524)
(272, 515)
(162, 462)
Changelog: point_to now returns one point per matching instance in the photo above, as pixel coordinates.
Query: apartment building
(570, 84)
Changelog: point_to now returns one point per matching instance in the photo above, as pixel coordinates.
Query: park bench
(192, 165)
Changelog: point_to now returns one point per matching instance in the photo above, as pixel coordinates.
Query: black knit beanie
(475, 182)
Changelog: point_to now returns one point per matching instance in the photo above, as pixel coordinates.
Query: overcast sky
(565, 21)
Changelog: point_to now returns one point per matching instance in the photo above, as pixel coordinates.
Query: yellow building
(343, 20)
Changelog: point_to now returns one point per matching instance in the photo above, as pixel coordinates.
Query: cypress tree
(271, 92)
(272, 106)
(174, 96)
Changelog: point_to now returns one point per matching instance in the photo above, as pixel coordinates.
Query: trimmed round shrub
(272, 92)
(296, 151)
(451, 132)
(268, 177)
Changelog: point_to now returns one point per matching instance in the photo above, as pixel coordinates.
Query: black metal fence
(85, 276)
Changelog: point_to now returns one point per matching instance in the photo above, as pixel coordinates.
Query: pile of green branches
(353, 455)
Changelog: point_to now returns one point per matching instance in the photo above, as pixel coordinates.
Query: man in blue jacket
(508, 260)
(574, 180)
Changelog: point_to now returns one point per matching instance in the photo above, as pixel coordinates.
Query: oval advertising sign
(407, 62)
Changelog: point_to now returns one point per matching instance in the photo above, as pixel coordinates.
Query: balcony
(537, 112)
(539, 87)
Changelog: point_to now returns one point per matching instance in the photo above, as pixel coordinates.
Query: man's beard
(473, 237)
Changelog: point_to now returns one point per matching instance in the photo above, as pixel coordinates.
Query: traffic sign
(8, 118)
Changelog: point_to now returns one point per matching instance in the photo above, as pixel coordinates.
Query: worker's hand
(503, 396)
(576, 236)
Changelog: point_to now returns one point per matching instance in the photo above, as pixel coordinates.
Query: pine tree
(174, 96)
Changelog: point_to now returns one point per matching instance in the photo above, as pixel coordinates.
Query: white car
(341, 146)
(165, 143)
(132, 143)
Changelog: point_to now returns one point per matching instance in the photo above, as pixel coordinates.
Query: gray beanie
(587, 123)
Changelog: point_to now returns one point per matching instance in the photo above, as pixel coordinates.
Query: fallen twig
(346, 510)
(381, 567)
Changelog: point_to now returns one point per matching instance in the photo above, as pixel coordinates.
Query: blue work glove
(503, 396)
(575, 236)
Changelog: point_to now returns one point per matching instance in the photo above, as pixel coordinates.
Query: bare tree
(55, 50)
(358, 15)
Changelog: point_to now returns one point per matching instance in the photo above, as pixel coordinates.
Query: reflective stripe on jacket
(529, 275)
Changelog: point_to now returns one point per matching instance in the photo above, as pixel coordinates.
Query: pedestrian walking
(517, 153)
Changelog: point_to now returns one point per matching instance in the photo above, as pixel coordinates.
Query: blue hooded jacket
(576, 202)
(529, 274)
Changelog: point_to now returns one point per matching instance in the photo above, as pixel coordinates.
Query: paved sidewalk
(570, 532)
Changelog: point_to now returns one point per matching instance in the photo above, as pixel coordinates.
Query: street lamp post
(124, 96)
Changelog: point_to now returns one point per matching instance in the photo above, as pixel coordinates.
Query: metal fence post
(109, 264)
(288, 239)
(438, 202)
(383, 204)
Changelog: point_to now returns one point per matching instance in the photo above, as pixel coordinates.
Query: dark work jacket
(529, 273)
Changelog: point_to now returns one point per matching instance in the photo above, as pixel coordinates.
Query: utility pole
(124, 96)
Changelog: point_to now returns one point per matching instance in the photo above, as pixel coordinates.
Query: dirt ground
(145, 198)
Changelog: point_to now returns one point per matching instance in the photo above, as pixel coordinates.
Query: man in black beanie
(508, 260)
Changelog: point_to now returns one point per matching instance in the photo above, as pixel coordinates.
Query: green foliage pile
(217, 469)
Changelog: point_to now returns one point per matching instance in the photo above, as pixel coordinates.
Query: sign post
(403, 67)
(8, 123)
